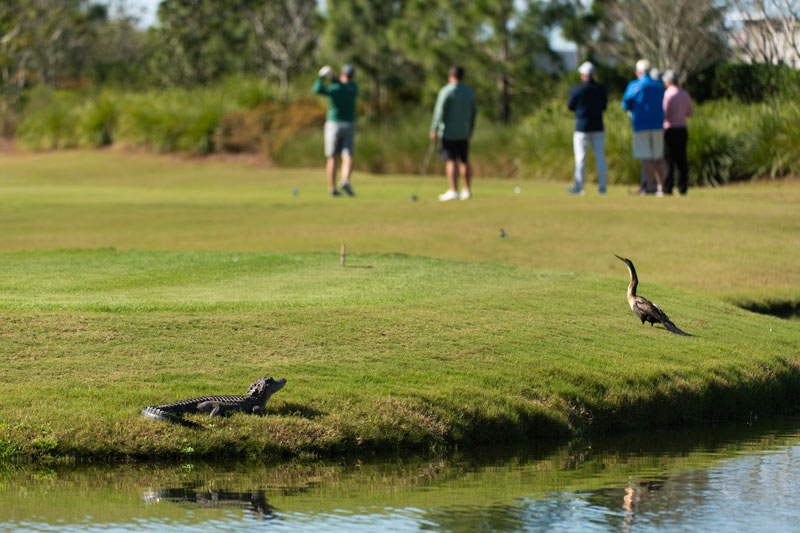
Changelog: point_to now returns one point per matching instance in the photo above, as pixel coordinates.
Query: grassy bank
(135, 281)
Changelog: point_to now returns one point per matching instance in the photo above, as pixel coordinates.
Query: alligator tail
(157, 414)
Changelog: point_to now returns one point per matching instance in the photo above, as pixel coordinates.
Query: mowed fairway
(132, 280)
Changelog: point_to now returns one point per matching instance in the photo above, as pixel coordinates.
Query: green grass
(135, 280)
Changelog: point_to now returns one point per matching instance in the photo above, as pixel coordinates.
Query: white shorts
(648, 144)
(339, 138)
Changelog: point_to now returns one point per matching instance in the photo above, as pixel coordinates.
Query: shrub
(773, 141)
(50, 120)
(744, 82)
(174, 120)
(545, 143)
(97, 120)
(267, 127)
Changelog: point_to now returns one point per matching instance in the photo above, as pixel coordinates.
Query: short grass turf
(391, 351)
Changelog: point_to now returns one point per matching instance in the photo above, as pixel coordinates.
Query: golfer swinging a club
(453, 123)
(340, 126)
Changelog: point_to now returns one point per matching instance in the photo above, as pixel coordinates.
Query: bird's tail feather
(674, 329)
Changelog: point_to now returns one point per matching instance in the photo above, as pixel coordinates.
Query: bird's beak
(620, 258)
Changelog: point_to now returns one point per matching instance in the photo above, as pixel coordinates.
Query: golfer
(340, 127)
(453, 123)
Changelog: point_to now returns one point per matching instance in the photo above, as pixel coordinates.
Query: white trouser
(580, 144)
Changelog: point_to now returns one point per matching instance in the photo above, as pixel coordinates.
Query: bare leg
(347, 168)
(661, 173)
(330, 171)
(466, 173)
(654, 171)
(452, 174)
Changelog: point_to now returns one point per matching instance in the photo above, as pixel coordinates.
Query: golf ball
(517, 190)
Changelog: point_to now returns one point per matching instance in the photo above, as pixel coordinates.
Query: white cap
(587, 69)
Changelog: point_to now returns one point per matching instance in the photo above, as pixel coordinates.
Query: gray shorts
(339, 138)
(648, 144)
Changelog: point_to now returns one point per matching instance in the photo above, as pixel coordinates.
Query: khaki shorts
(648, 144)
(339, 138)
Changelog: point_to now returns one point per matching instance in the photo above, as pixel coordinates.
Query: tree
(498, 42)
(285, 36)
(15, 34)
(43, 40)
(357, 32)
(200, 40)
(684, 35)
(578, 24)
(770, 30)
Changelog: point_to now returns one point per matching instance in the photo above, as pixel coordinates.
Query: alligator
(253, 402)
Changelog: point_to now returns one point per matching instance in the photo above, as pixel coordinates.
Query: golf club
(425, 164)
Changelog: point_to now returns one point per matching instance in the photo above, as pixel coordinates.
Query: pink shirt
(677, 106)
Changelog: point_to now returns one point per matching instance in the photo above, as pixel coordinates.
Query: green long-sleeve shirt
(342, 98)
(454, 114)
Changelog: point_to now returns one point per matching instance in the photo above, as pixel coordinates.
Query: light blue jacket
(644, 99)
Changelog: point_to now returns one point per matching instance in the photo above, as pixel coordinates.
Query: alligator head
(264, 388)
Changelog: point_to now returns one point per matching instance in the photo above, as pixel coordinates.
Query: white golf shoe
(449, 195)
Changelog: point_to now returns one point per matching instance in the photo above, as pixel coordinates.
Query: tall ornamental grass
(174, 120)
(728, 140)
(51, 120)
(171, 121)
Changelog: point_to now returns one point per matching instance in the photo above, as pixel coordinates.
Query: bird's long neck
(634, 282)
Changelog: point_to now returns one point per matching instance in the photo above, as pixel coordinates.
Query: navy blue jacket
(588, 100)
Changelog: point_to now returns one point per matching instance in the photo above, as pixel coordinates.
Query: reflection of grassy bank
(534, 340)
(439, 482)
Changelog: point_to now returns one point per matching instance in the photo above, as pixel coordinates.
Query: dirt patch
(7, 145)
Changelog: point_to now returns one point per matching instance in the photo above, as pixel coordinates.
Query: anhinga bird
(646, 310)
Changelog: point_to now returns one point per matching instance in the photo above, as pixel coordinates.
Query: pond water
(721, 479)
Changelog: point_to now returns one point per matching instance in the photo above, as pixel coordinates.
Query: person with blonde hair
(643, 100)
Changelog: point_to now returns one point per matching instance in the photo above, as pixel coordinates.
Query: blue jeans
(580, 144)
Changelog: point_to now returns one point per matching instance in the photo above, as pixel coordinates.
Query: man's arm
(438, 111)
(629, 98)
(319, 86)
(474, 111)
(572, 102)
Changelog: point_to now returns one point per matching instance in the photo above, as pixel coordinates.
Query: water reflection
(716, 480)
(254, 503)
